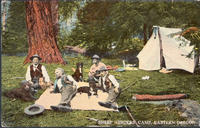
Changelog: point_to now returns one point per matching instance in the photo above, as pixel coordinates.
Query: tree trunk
(41, 31)
(55, 17)
(196, 59)
(4, 4)
(150, 30)
(145, 33)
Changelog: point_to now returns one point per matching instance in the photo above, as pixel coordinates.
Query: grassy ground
(176, 82)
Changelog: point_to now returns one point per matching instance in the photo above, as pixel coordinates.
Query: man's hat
(96, 57)
(36, 55)
(34, 110)
(103, 69)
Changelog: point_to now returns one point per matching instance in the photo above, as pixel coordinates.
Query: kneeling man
(109, 84)
(67, 86)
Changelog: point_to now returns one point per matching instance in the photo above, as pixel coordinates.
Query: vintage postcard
(100, 63)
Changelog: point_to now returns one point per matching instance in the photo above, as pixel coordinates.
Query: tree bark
(145, 33)
(150, 30)
(42, 32)
(4, 3)
(55, 16)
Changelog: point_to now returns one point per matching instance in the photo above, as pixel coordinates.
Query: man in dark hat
(93, 73)
(36, 71)
(110, 85)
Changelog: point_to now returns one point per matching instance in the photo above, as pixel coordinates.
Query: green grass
(176, 82)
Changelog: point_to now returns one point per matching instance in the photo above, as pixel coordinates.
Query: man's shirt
(111, 78)
(44, 73)
(95, 67)
(60, 81)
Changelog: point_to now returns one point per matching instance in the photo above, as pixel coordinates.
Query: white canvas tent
(167, 43)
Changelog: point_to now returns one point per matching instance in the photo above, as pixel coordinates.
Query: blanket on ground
(79, 102)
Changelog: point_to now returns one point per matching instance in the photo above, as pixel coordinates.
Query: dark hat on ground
(103, 69)
(34, 109)
(95, 57)
(36, 55)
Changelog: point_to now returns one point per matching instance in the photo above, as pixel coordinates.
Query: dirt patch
(189, 109)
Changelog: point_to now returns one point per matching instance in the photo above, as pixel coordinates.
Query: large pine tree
(42, 29)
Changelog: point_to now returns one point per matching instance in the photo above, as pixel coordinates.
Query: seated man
(67, 86)
(36, 71)
(109, 84)
(93, 73)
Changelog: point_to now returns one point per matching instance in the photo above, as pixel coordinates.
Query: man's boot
(62, 107)
(108, 105)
